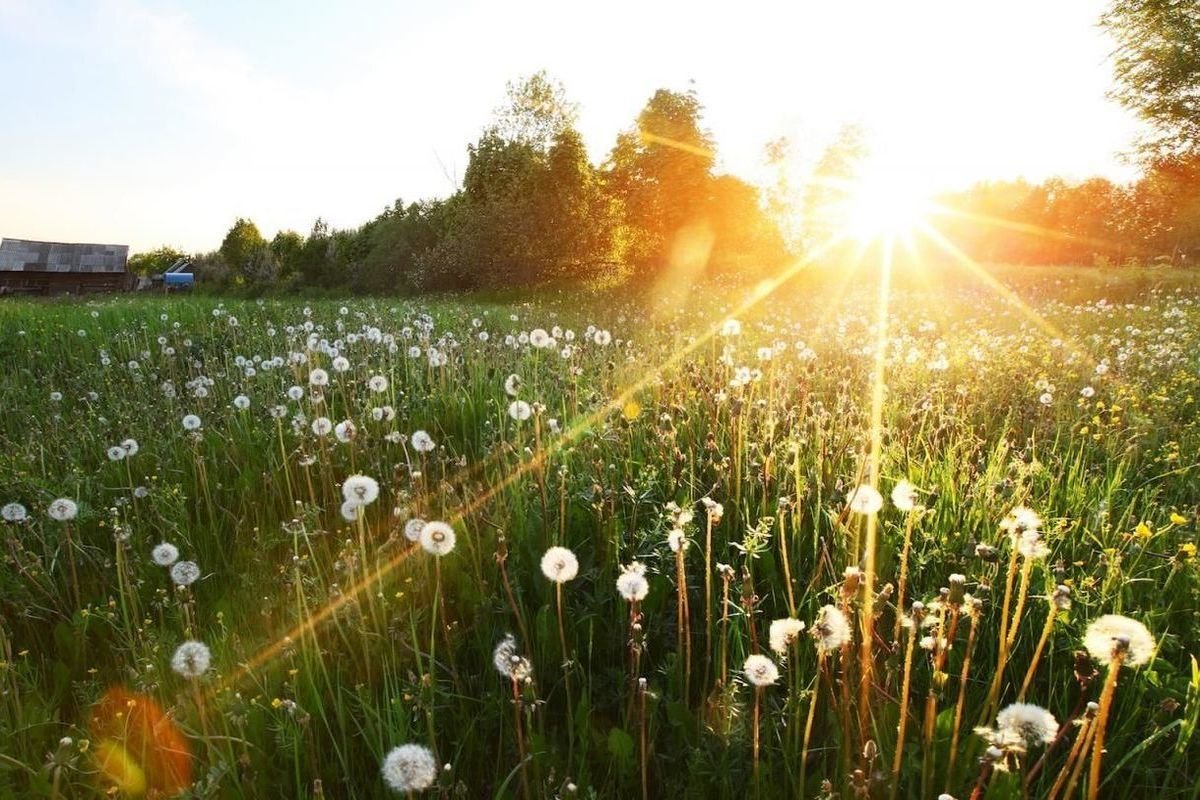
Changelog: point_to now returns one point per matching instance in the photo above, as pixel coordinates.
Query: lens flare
(139, 751)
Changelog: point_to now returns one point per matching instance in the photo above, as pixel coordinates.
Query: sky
(160, 121)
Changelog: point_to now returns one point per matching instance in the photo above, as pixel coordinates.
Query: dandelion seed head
(760, 670)
(185, 573)
(191, 659)
(1113, 636)
(832, 629)
(904, 496)
(783, 632)
(866, 500)
(437, 538)
(632, 583)
(164, 554)
(14, 512)
(560, 565)
(63, 509)
(422, 442)
(409, 768)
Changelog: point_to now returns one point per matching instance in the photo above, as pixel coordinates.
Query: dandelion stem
(1106, 698)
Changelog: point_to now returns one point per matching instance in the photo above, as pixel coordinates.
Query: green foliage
(1157, 66)
(248, 254)
(154, 262)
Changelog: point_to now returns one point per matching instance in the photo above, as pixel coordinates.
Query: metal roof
(23, 255)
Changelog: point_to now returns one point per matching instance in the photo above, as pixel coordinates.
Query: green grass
(399, 645)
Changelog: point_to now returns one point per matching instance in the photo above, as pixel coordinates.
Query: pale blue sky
(140, 122)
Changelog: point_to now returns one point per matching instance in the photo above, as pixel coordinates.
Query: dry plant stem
(1037, 653)
(985, 775)
(865, 654)
(962, 696)
(902, 581)
(757, 702)
(642, 736)
(724, 633)
(906, 685)
(1022, 594)
(1106, 698)
(1076, 754)
(683, 621)
(993, 698)
(516, 689)
(812, 713)
(708, 612)
(787, 570)
(1077, 768)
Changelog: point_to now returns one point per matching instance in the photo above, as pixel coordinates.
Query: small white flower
(631, 583)
(760, 670)
(1112, 635)
(191, 659)
(783, 632)
(560, 565)
(409, 768)
(185, 573)
(866, 500)
(63, 509)
(165, 554)
(437, 538)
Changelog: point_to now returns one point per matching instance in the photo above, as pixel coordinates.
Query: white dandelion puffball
(512, 385)
(866, 500)
(341, 364)
(437, 538)
(350, 510)
(131, 447)
(832, 629)
(760, 670)
(63, 509)
(185, 573)
(784, 632)
(116, 453)
(377, 383)
(295, 392)
(1020, 520)
(241, 402)
(191, 423)
(164, 554)
(412, 529)
(509, 662)
(191, 659)
(1026, 725)
(360, 489)
(345, 431)
(560, 565)
(318, 377)
(1107, 636)
(904, 496)
(321, 426)
(422, 442)
(14, 512)
(520, 410)
(631, 583)
(409, 768)
(602, 338)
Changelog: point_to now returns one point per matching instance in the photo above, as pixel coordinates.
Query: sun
(883, 204)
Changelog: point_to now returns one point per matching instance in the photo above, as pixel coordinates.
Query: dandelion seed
(760, 670)
(422, 442)
(130, 446)
(560, 565)
(409, 768)
(904, 496)
(185, 573)
(1113, 635)
(677, 540)
(318, 377)
(322, 426)
(345, 431)
(361, 489)
(377, 384)
(164, 554)
(866, 500)
(116, 453)
(191, 422)
(241, 402)
(519, 410)
(14, 512)
(412, 529)
(631, 583)
(349, 510)
(832, 629)
(63, 509)
(783, 632)
(509, 662)
(1020, 520)
(191, 659)
(1021, 726)
(437, 538)
(295, 393)
(602, 338)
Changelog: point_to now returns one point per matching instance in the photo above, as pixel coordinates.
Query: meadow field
(825, 541)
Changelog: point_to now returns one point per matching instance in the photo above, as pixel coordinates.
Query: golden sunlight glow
(883, 204)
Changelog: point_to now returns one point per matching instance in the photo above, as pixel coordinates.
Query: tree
(247, 253)
(154, 262)
(1157, 65)
(661, 172)
(830, 187)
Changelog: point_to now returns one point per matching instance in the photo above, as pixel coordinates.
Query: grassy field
(718, 443)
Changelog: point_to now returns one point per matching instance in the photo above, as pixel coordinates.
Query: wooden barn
(28, 267)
